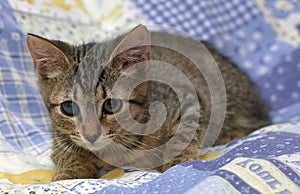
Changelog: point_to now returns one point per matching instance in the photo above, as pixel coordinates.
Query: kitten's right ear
(133, 48)
(48, 59)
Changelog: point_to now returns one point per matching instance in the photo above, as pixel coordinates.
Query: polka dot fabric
(282, 88)
(254, 156)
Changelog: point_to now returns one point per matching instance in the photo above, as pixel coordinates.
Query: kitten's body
(72, 73)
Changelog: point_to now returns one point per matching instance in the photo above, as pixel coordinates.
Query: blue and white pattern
(201, 19)
(260, 36)
(248, 165)
(23, 118)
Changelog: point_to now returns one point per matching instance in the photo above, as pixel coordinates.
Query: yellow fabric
(29, 177)
(210, 156)
(45, 176)
(113, 174)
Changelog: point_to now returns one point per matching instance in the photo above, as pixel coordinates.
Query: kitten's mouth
(99, 144)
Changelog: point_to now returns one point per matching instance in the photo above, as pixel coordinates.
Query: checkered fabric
(23, 117)
(201, 19)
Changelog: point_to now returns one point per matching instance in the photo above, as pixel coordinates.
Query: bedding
(260, 36)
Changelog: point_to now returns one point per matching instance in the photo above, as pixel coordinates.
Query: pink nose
(91, 131)
(91, 126)
(91, 137)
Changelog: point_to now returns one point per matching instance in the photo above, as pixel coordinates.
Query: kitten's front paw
(58, 176)
(176, 161)
(66, 174)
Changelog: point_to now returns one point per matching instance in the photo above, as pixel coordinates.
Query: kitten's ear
(48, 59)
(133, 48)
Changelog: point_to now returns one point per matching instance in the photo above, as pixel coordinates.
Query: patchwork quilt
(261, 36)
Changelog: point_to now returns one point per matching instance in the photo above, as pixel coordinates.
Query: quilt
(261, 36)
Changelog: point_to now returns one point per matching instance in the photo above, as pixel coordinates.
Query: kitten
(77, 84)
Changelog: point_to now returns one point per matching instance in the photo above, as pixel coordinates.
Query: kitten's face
(77, 85)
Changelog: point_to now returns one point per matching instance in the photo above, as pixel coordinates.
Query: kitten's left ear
(134, 48)
(49, 60)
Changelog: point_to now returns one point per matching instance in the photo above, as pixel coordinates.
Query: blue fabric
(23, 117)
(178, 179)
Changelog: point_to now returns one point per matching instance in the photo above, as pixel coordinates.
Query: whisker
(140, 156)
(125, 133)
(128, 158)
(63, 146)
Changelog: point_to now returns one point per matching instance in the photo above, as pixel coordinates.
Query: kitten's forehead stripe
(100, 80)
(80, 52)
(104, 94)
(91, 66)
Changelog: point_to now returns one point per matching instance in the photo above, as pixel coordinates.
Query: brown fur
(85, 74)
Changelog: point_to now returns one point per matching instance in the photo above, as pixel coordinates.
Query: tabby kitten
(78, 85)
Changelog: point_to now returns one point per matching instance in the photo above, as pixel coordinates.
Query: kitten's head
(77, 86)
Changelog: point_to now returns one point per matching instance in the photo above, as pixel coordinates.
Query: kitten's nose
(91, 128)
(92, 138)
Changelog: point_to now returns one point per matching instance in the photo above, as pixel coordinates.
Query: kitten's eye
(69, 108)
(111, 106)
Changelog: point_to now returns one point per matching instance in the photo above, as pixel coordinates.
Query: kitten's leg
(229, 134)
(249, 118)
(74, 163)
(75, 170)
(187, 152)
(190, 153)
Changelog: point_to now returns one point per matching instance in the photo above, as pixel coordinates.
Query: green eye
(111, 106)
(69, 108)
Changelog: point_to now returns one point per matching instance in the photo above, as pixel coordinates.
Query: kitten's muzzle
(92, 137)
(91, 132)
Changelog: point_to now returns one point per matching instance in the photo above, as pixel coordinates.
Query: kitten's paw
(72, 174)
(179, 160)
(58, 176)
